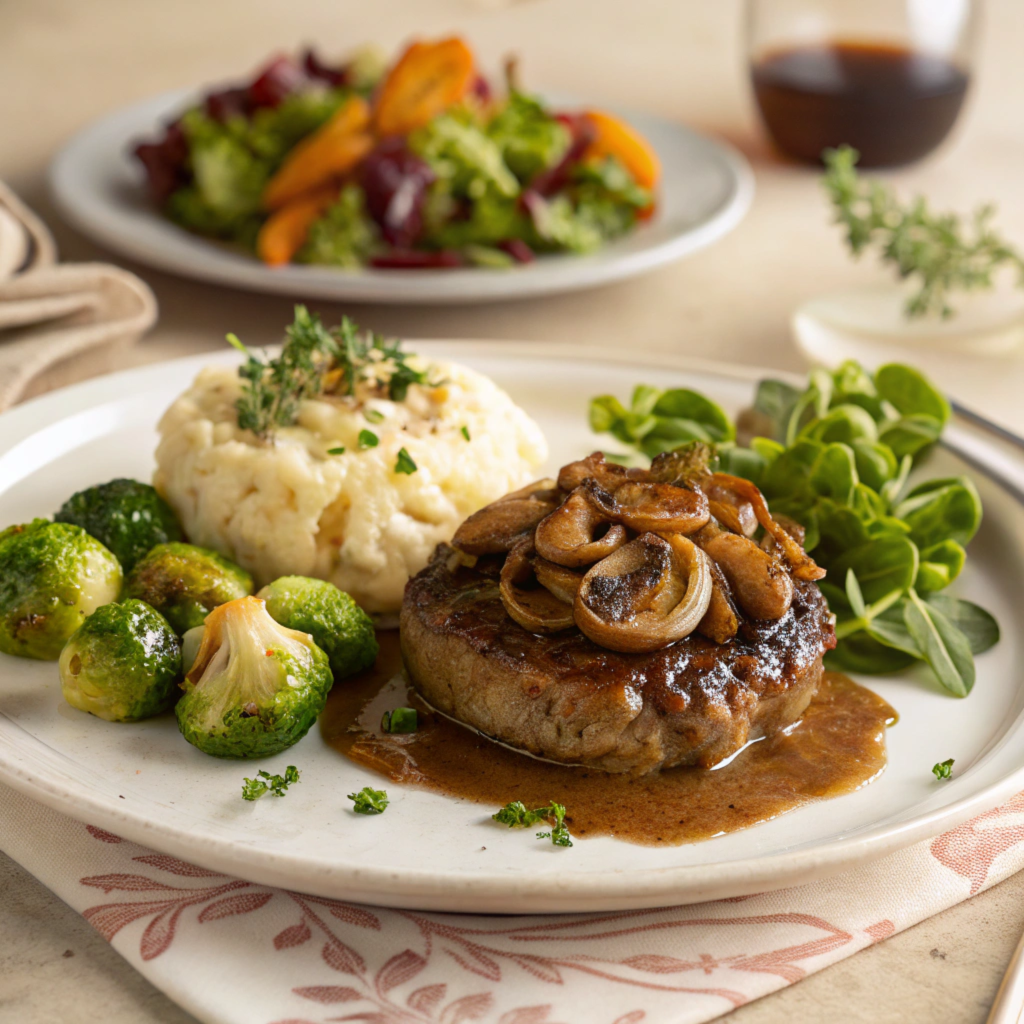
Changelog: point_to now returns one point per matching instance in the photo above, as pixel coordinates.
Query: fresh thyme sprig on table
(938, 251)
(316, 360)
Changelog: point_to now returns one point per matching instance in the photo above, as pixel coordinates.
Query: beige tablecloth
(63, 63)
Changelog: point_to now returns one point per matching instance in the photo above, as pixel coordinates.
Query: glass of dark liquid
(887, 77)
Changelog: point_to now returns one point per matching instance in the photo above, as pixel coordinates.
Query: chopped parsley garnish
(316, 360)
(465, 432)
(253, 789)
(336, 451)
(369, 801)
(518, 815)
(400, 720)
(405, 463)
(373, 415)
(944, 769)
(368, 439)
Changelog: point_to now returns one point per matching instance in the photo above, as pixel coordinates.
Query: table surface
(64, 63)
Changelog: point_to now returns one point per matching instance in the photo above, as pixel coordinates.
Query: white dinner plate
(145, 782)
(706, 189)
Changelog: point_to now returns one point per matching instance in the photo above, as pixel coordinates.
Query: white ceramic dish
(706, 189)
(144, 782)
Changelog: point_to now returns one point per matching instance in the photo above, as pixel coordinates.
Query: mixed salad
(420, 165)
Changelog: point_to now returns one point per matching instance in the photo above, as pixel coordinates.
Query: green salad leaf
(231, 162)
(528, 137)
(836, 456)
(344, 236)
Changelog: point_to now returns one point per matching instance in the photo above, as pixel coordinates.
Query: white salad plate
(428, 851)
(98, 185)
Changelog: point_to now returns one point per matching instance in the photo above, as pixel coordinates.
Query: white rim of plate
(612, 889)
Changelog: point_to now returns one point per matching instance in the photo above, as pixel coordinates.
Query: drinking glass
(887, 77)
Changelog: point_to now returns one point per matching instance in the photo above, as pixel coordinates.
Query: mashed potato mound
(287, 506)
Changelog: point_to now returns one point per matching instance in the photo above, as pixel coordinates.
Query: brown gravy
(837, 747)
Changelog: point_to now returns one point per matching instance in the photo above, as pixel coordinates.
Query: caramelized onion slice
(496, 528)
(646, 595)
(578, 533)
(762, 585)
(650, 507)
(802, 566)
(560, 581)
(545, 489)
(596, 467)
(534, 607)
(738, 517)
(720, 622)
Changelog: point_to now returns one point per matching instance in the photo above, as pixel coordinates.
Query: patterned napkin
(233, 952)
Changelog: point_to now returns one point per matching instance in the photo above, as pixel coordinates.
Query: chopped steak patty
(564, 698)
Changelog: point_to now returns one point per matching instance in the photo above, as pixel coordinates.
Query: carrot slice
(284, 232)
(334, 148)
(616, 138)
(428, 78)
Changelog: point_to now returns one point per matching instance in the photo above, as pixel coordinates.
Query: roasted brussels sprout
(52, 575)
(185, 583)
(341, 629)
(122, 664)
(128, 517)
(255, 687)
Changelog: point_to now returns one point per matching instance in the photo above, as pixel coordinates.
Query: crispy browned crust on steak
(564, 698)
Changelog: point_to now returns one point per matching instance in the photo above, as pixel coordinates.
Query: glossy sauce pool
(837, 747)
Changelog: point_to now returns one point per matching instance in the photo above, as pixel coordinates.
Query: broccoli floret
(459, 152)
(344, 236)
(122, 664)
(529, 138)
(255, 687)
(126, 516)
(52, 575)
(185, 583)
(338, 625)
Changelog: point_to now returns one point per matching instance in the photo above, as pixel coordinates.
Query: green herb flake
(253, 789)
(368, 439)
(944, 769)
(336, 451)
(400, 720)
(373, 415)
(517, 815)
(464, 431)
(369, 801)
(405, 464)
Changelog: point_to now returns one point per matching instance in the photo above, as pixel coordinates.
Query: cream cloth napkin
(233, 952)
(53, 313)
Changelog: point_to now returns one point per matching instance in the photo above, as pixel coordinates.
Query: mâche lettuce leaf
(835, 457)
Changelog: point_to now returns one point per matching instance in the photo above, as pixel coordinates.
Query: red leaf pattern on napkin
(549, 951)
(970, 849)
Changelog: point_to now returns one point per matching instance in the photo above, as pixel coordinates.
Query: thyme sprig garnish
(940, 252)
(314, 361)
